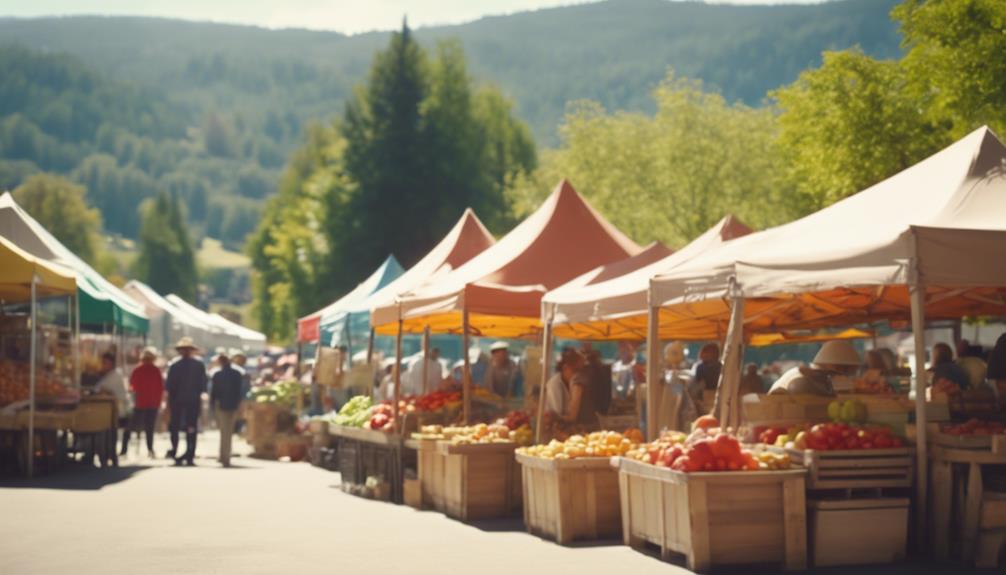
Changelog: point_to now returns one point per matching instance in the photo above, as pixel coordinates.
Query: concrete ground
(271, 517)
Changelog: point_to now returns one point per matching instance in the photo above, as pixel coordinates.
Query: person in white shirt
(564, 392)
(412, 383)
(112, 383)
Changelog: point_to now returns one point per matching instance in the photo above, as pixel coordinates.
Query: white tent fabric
(167, 323)
(950, 204)
(217, 335)
(251, 340)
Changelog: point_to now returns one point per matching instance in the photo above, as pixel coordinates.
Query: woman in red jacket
(147, 384)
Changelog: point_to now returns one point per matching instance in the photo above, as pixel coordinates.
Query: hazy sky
(348, 16)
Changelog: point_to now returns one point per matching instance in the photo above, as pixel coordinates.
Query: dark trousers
(184, 417)
(143, 420)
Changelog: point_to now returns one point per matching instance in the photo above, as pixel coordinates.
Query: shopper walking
(185, 385)
(225, 398)
(147, 385)
(112, 383)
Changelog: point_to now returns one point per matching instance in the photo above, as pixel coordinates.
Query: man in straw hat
(836, 358)
(185, 384)
(147, 385)
(225, 398)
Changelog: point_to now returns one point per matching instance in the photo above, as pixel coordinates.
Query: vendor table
(365, 453)
(568, 499)
(481, 480)
(980, 518)
(716, 518)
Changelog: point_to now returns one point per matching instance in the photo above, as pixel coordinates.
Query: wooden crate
(999, 444)
(856, 468)
(858, 531)
(412, 493)
(714, 519)
(571, 499)
(431, 465)
(481, 481)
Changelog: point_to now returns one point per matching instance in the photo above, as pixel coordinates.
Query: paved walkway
(269, 517)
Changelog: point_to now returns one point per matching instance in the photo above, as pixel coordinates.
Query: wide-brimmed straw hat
(186, 343)
(149, 351)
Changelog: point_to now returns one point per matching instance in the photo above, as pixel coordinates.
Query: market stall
(217, 334)
(27, 382)
(916, 246)
(400, 416)
(498, 292)
(102, 308)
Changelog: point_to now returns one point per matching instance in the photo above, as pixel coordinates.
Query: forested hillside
(212, 112)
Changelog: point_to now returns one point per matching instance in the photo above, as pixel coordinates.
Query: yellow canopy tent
(24, 278)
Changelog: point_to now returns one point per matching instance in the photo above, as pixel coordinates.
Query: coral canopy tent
(612, 305)
(499, 291)
(467, 239)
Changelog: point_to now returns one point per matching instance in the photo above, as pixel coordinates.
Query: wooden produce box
(858, 531)
(999, 444)
(431, 466)
(569, 499)
(856, 468)
(717, 518)
(412, 493)
(758, 409)
(292, 446)
(481, 481)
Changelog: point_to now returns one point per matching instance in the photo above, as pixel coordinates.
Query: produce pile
(355, 412)
(848, 411)
(435, 401)
(382, 418)
(283, 393)
(706, 449)
(14, 382)
(832, 437)
(514, 420)
(973, 427)
(596, 444)
(478, 433)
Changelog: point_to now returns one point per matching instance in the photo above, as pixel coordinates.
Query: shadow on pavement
(75, 477)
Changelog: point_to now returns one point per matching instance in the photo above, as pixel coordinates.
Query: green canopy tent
(102, 305)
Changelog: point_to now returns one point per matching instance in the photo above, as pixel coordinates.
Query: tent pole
(426, 359)
(917, 292)
(398, 375)
(466, 375)
(546, 364)
(653, 361)
(349, 341)
(32, 353)
(370, 347)
(726, 403)
(75, 332)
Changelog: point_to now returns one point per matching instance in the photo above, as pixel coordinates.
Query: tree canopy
(61, 207)
(166, 262)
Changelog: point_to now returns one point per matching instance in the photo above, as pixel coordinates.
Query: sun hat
(837, 352)
(149, 351)
(498, 345)
(186, 343)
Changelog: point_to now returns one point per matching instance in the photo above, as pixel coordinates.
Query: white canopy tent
(167, 323)
(216, 335)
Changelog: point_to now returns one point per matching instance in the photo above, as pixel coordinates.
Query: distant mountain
(613, 52)
(211, 111)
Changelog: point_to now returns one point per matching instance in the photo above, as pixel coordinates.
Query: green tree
(849, 124)
(167, 260)
(955, 60)
(386, 156)
(669, 176)
(61, 207)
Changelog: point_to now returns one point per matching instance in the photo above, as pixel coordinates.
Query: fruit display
(514, 420)
(596, 444)
(842, 436)
(707, 449)
(943, 386)
(873, 383)
(973, 427)
(382, 418)
(848, 411)
(282, 393)
(436, 400)
(355, 413)
(14, 383)
(478, 433)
